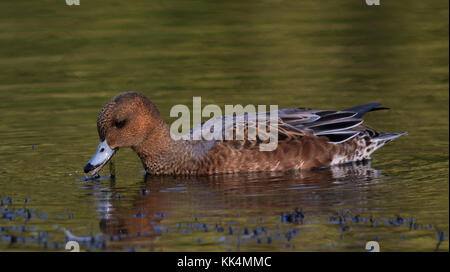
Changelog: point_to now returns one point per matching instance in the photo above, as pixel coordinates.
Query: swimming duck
(307, 139)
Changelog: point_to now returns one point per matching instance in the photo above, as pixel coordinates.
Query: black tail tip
(362, 109)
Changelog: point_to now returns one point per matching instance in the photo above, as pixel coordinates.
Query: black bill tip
(88, 167)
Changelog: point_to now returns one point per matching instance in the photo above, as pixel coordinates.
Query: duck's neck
(160, 154)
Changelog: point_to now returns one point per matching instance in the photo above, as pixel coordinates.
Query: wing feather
(337, 126)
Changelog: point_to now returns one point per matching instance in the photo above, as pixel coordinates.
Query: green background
(60, 64)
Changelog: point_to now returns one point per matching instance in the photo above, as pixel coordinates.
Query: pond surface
(61, 64)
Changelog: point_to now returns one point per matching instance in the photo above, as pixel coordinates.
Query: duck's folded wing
(337, 126)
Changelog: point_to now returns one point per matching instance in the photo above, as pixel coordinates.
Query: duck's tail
(380, 140)
(387, 137)
(366, 145)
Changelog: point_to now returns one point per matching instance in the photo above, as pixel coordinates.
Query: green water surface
(60, 64)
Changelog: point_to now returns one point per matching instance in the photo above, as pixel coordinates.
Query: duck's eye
(120, 124)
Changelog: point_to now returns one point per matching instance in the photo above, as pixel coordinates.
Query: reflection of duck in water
(306, 139)
(132, 218)
(141, 218)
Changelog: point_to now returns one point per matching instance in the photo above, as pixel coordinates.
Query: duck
(307, 139)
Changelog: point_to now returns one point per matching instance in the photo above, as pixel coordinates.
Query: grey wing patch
(335, 125)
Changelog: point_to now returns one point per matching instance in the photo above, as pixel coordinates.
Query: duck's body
(306, 139)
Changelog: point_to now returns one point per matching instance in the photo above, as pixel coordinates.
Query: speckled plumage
(307, 139)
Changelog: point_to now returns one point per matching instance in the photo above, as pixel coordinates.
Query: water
(61, 64)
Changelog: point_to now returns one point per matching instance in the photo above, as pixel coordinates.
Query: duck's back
(306, 139)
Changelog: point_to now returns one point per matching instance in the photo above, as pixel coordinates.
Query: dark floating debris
(345, 228)
(6, 201)
(221, 232)
(160, 215)
(26, 214)
(293, 217)
(218, 229)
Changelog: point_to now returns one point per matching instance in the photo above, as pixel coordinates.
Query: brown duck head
(127, 120)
